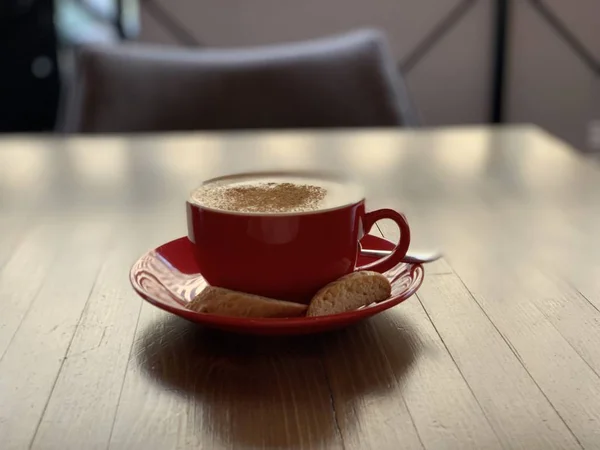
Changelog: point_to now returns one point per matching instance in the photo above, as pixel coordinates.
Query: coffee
(276, 193)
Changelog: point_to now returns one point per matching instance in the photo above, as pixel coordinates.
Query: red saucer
(168, 278)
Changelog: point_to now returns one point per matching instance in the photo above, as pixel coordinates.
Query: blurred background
(465, 61)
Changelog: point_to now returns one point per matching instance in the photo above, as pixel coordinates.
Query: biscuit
(350, 292)
(224, 302)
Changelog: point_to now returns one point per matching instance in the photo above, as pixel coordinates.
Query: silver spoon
(412, 258)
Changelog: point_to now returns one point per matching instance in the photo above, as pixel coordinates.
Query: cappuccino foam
(276, 194)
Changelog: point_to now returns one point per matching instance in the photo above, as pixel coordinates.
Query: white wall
(547, 82)
(450, 84)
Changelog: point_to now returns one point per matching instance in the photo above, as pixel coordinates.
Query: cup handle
(401, 248)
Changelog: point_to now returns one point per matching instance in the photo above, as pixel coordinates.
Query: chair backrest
(348, 80)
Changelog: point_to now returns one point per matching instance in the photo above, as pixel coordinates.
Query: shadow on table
(276, 392)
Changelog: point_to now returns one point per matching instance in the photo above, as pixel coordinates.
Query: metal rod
(436, 35)
(171, 24)
(499, 63)
(119, 20)
(567, 35)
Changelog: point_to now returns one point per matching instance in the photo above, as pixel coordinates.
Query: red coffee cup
(287, 256)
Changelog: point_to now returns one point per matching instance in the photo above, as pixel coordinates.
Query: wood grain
(399, 384)
(572, 314)
(31, 363)
(564, 377)
(499, 349)
(13, 229)
(493, 369)
(23, 274)
(186, 387)
(82, 409)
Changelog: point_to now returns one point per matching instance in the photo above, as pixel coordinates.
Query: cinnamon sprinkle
(263, 197)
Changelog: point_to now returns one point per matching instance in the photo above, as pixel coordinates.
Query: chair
(348, 80)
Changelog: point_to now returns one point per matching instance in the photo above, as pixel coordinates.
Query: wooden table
(499, 349)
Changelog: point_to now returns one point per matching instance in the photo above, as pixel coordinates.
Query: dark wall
(29, 76)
